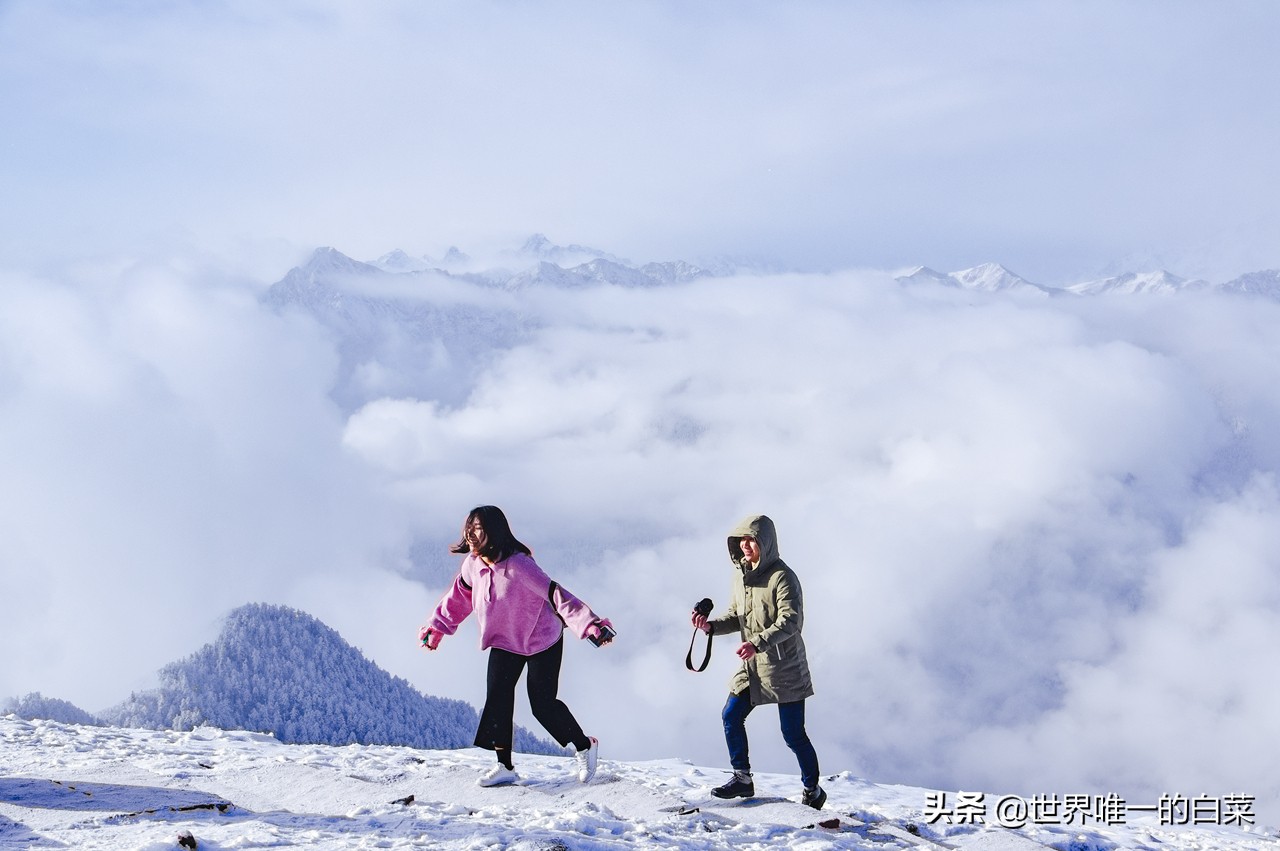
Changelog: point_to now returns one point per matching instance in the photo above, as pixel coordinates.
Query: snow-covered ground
(112, 788)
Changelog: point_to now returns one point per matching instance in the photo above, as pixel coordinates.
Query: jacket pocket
(782, 652)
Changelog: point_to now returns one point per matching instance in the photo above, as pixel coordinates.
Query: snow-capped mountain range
(448, 316)
(994, 278)
(540, 262)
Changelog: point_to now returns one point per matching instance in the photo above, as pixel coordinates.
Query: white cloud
(1182, 700)
(1000, 509)
(169, 448)
(980, 496)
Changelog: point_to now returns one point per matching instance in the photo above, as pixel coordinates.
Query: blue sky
(1065, 140)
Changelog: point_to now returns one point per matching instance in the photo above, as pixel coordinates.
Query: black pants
(497, 718)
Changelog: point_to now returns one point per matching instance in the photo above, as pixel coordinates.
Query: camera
(702, 608)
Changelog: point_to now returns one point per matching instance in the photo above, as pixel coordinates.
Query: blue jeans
(791, 715)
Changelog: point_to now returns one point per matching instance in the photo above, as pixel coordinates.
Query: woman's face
(476, 538)
(750, 548)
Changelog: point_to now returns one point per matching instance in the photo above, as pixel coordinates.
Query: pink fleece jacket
(513, 602)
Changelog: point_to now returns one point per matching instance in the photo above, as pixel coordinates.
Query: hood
(760, 527)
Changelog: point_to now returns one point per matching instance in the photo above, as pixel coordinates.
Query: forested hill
(278, 670)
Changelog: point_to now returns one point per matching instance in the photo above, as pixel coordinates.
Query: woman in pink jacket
(522, 614)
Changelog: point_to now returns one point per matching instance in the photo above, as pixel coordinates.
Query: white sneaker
(587, 761)
(499, 775)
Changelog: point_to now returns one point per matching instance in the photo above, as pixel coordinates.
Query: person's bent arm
(450, 612)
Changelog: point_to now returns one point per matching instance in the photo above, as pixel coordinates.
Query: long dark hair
(500, 544)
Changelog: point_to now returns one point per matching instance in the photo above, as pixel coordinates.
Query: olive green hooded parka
(767, 610)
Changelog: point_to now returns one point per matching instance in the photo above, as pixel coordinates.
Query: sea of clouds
(1039, 538)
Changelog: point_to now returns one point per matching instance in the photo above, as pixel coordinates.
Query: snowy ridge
(325, 264)
(988, 277)
(925, 275)
(538, 262)
(994, 278)
(1265, 283)
(1132, 283)
(543, 249)
(598, 272)
(107, 788)
(398, 262)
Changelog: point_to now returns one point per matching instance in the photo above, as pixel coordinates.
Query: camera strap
(688, 659)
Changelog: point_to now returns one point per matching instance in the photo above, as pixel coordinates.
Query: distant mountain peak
(991, 277)
(1265, 282)
(987, 277)
(399, 261)
(329, 261)
(539, 247)
(537, 244)
(454, 257)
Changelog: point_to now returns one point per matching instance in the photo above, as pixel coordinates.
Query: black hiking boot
(814, 797)
(739, 786)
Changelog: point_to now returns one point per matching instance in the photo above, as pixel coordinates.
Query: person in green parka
(767, 612)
